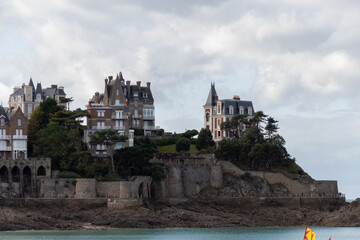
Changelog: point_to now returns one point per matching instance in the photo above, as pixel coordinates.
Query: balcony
(100, 127)
(5, 148)
(20, 148)
(137, 116)
(5, 137)
(23, 137)
(149, 128)
(146, 117)
(119, 127)
(114, 116)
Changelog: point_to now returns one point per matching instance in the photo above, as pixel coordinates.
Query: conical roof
(211, 97)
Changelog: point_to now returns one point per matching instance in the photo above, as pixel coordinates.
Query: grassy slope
(172, 148)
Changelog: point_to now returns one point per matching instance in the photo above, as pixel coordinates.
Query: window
(117, 102)
(38, 97)
(207, 117)
(30, 109)
(241, 110)
(19, 122)
(117, 92)
(145, 95)
(231, 110)
(2, 122)
(101, 113)
(118, 114)
(219, 134)
(219, 123)
(136, 94)
(249, 110)
(219, 108)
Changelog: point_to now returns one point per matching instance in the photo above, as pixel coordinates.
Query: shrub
(183, 144)
(157, 172)
(68, 174)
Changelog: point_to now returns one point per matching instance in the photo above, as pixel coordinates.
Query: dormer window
(231, 110)
(241, 111)
(2, 122)
(250, 111)
(117, 102)
(38, 97)
(19, 122)
(117, 92)
(145, 95)
(136, 94)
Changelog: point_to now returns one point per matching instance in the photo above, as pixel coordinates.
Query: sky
(297, 61)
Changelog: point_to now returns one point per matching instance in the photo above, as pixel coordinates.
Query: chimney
(23, 85)
(110, 78)
(89, 103)
(54, 86)
(236, 97)
(138, 83)
(106, 81)
(128, 87)
(97, 97)
(148, 84)
(61, 87)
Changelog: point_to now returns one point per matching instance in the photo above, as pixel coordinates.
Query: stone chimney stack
(138, 83)
(110, 78)
(128, 87)
(97, 97)
(236, 97)
(148, 84)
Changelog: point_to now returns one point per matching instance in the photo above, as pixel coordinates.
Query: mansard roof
(19, 92)
(38, 89)
(236, 104)
(3, 114)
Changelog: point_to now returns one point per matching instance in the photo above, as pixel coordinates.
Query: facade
(217, 111)
(27, 97)
(122, 106)
(13, 134)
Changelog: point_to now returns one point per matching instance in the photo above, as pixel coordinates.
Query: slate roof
(211, 97)
(236, 104)
(18, 92)
(3, 113)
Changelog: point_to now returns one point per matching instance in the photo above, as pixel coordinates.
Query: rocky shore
(196, 213)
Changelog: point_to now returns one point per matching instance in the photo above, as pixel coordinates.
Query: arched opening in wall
(4, 174)
(15, 174)
(152, 190)
(140, 190)
(27, 181)
(41, 171)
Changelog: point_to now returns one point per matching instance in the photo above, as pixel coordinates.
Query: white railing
(148, 117)
(20, 149)
(114, 116)
(5, 148)
(119, 127)
(19, 137)
(100, 127)
(137, 116)
(6, 137)
(149, 128)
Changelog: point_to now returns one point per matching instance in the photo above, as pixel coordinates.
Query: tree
(107, 137)
(204, 140)
(236, 125)
(271, 127)
(183, 144)
(190, 133)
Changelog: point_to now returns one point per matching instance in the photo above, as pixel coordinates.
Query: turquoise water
(271, 233)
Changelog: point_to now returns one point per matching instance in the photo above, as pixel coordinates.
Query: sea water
(270, 233)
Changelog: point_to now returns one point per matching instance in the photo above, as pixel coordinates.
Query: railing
(137, 116)
(5, 137)
(19, 137)
(100, 127)
(119, 127)
(5, 148)
(149, 128)
(146, 117)
(114, 116)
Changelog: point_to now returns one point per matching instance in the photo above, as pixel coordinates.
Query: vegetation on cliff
(256, 144)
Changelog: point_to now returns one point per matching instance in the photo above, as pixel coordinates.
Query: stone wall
(85, 188)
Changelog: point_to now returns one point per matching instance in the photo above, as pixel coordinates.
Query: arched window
(15, 174)
(241, 110)
(207, 117)
(250, 111)
(41, 171)
(4, 174)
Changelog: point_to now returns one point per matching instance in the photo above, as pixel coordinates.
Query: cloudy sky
(298, 61)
